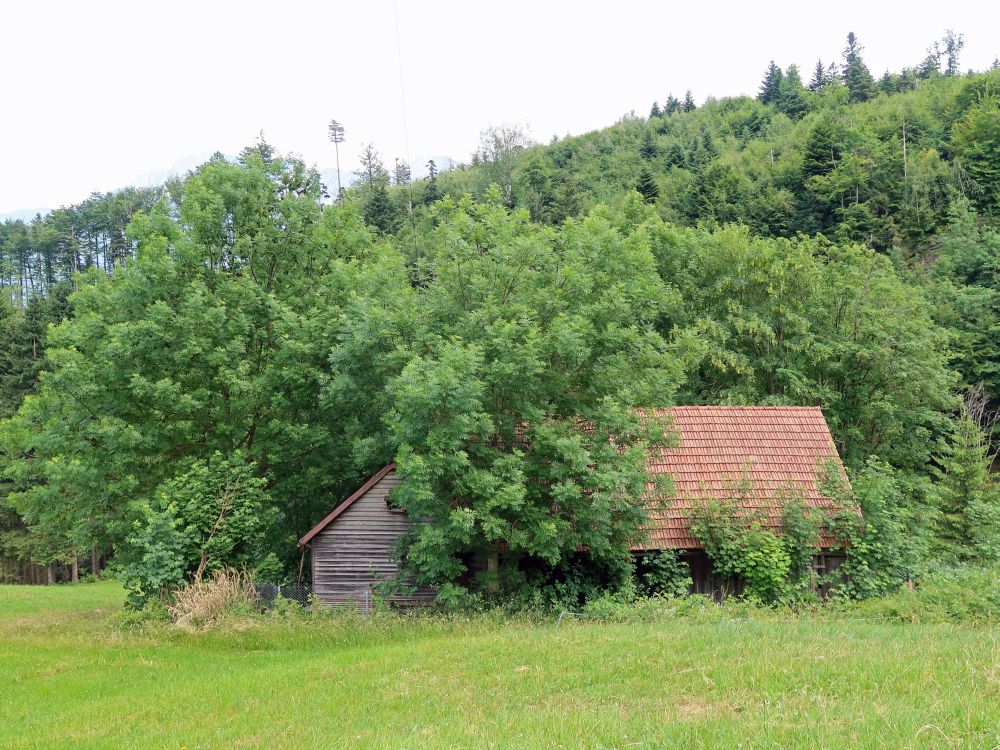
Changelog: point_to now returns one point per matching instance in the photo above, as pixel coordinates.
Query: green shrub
(663, 572)
(881, 553)
(212, 516)
(962, 595)
(774, 567)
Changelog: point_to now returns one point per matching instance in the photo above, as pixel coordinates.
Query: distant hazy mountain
(25, 214)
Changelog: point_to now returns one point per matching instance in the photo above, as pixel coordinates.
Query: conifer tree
(655, 110)
(819, 77)
(673, 104)
(379, 210)
(675, 155)
(931, 64)
(647, 186)
(401, 172)
(432, 193)
(336, 135)
(820, 155)
(648, 148)
(689, 104)
(770, 87)
(888, 83)
(969, 497)
(832, 75)
(857, 77)
(372, 170)
(791, 94)
(953, 44)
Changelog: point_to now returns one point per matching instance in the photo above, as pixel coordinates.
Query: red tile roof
(775, 447)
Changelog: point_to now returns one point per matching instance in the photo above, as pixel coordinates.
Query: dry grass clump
(202, 603)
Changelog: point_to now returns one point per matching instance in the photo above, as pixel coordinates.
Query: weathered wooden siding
(704, 580)
(352, 554)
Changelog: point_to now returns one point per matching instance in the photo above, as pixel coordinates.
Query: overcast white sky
(98, 95)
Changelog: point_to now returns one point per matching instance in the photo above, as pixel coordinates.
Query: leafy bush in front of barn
(663, 572)
(881, 553)
(774, 565)
(213, 516)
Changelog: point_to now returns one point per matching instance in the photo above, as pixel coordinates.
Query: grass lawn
(72, 677)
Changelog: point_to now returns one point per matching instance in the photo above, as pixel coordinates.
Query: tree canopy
(192, 375)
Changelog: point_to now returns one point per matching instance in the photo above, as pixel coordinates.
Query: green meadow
(75, 674)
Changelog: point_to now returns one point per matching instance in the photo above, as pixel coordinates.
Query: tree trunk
(50, 574)
(492, 568)
(74, 575)
(95, 561)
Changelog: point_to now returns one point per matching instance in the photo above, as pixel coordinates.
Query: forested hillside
(192, 376)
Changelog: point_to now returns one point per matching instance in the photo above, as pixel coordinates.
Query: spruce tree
(647, 186)
(969, 497)
(372, 170)
(819, 77)
(379, 210)
(689, 104)
(648, 147)
(672, 105)
(432, 193)
(791, 94)
(887, 84)
(675, 155)
(770, 87)
(655, 111)
(820, 155)
(857, 77)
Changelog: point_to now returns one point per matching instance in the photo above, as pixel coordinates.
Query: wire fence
(268, 593)
(359, 596)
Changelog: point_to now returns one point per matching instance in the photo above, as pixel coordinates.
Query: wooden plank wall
(353, 552)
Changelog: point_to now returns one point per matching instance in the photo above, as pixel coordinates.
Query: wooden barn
(772, 450)
(776, 448)
(351, 548)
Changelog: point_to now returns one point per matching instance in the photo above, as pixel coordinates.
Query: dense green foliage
(492, 328)
(774, 565)
(514, 416)
(214, 515)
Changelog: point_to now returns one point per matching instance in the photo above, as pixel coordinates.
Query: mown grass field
(72, 676)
